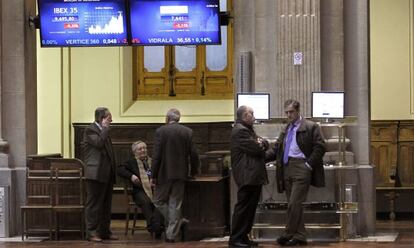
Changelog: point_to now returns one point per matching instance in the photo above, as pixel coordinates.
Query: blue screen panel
(174, 22)
(82, 23)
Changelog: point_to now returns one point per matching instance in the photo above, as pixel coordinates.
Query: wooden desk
(206, 205)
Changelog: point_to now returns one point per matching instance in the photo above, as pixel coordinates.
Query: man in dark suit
(100, 176)
(299, 151)
(249, 172)
(173, 152)
(137, 171)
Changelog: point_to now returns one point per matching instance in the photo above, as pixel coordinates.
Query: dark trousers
(98, 208)
(297, 179)
(153, 217)
(244, 212)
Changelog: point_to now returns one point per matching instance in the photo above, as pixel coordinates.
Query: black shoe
(158, 235)
(184, 229)
(169, 240)
(282, 240)
(252, 243)
(239, 244)
(296, 242)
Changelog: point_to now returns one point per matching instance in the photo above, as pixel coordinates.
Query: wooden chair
(39, 198)
(68, 194)
(131, 207)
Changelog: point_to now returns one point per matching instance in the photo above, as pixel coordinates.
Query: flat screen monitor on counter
(328, 105)
(259, 102)
(175, 22)
(83, 23)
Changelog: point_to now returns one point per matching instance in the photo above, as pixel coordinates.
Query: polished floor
(141, 239)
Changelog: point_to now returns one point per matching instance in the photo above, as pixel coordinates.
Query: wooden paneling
(392, 150)
(384, 131)
(405, 163)
(384, 150)
(406, 153)
(384, 157)
(207, 137)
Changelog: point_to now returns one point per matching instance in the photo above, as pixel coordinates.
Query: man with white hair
(137, 171)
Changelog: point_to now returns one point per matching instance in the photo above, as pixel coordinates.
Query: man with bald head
(174, 159)
(249, 173)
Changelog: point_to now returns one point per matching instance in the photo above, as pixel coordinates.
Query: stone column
(357, 103)
(298, 52)
(332, 45)
(18, 109)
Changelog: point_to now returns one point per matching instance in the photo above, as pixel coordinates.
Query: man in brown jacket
(298, 153)
(249, 172)
(100, 176)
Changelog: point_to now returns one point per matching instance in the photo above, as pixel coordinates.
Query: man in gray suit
(173, 152)
(100, 176)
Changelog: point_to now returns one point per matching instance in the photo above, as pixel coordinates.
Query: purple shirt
(294, 150)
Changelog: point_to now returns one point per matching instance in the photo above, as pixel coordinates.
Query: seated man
(137, 172)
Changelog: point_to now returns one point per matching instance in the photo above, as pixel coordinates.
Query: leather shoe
(184, 229)
(94, 238)
(158, 235)
(296, 242)
(169, 240)
(239, 244)
(282, 240)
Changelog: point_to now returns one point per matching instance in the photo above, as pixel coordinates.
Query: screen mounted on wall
(328, 104)
(175, 22)
(77, 23)
(259, 102)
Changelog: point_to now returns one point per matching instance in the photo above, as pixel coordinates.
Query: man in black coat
(249, 172)
(137, 172)
(100, 176)
(173, 152)
(298, 153)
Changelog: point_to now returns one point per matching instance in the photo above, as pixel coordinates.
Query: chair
(39, 198)
(130, 206)
(68, 194)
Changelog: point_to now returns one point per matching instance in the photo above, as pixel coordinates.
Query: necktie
(287, 144)
(144, 178)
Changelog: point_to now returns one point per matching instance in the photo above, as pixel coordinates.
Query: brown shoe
(94, 238)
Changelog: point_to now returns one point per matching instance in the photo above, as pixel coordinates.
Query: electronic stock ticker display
(177, 22)
(82, 23)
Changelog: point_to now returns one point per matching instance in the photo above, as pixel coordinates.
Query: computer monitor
(328, 105)
(259, 102)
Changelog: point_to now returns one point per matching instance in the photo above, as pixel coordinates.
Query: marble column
(17, 100)
(332, 45)
(356, 61)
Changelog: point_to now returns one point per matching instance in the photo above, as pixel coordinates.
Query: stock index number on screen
(187, 40)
